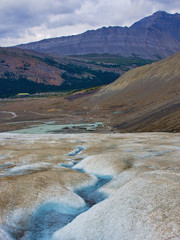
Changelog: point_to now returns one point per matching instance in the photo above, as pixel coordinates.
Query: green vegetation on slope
(10, 85)
(114, 60)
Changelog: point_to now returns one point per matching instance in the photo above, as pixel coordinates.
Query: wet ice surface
(3, 156)
(90, 194)
(50, 217)
(52, 185)
(6, 165)
(25, 169)
(77, 151)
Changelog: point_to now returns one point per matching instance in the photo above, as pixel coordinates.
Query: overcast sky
(23, 21)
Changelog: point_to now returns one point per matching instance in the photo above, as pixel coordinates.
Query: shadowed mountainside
(156, 36)
(147, 98)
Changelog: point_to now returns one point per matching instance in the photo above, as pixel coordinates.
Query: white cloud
(31, 20)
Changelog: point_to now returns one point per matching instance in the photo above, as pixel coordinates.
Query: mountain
(29, 65)
(28, 71)
(156, 36)
(31, 72)
(143, 99)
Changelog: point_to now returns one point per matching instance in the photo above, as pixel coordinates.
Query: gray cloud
(32, 20)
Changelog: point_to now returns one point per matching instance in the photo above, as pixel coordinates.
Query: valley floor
(19, 114)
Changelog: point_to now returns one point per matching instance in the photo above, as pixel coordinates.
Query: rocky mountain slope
(24, 70)
(152, 37)
(145, 99)
(29, 65)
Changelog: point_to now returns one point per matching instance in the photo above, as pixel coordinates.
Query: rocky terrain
(89, 186)
(156, 36)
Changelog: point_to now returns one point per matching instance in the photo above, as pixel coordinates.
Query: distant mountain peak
(164, 14)
(160, 13)
(157, 16)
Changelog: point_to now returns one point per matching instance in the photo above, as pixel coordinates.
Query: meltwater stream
(50, 217)
(89, 194)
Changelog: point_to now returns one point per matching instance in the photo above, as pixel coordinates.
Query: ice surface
(144, 208)
(47, 192)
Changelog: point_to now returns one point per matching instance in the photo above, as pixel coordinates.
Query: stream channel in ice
(50, 217)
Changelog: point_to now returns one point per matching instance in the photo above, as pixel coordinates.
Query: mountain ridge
(155, 36)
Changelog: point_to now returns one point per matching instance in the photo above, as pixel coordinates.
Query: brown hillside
(147, 97)
(28, 64)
